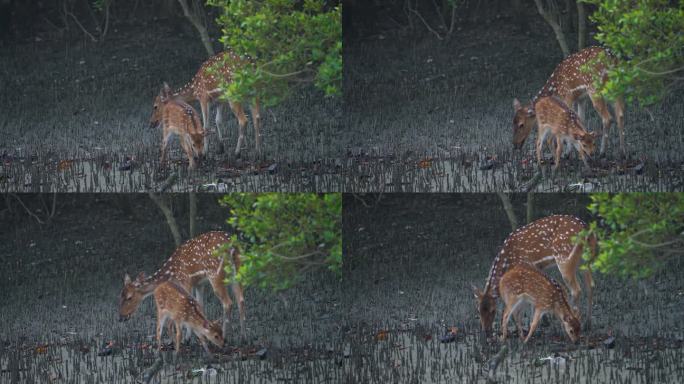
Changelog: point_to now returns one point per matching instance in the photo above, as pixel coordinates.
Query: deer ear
(516, 104)
(476, 291)
(127, 279)
(141, 276)
(165, 92)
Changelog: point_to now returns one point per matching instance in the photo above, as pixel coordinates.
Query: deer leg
(239, 113)
(606, 119)
(535, 323)
(239, 297)
(161, 319)
(504, 321)
(204, 106)
(179, 333)
(219, 119)
(589, 284)
(557, 155)
(256, 119)
(619, 107)
(187, 148)
(165, 142)
(570, 278)
(540, 143)
(518, 322)
(222, 294)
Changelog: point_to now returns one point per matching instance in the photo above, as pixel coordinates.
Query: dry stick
(439, 37)
(197, 23)
(168, 214)
(560, 36)
(508, 207)
(81, 26)
(581, 26)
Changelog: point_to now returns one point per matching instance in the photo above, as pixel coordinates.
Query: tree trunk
(199, 25)
(581, 26)
(530, 207)
(553, 21)
(508, 207)
(193, 212)
(168, 214)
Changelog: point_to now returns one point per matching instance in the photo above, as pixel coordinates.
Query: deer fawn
(178, 118)
(555, 118)
(569, 82)
(175, 303)
(543, 243)
(525, 283)
(205, 87)
(191, 264)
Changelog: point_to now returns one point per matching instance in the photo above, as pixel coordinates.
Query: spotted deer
(556, 119)
(178, 118)
(569, 81)
(205, 87)
(525, 283)
(543, 243)
(176, 304)
(191, 264)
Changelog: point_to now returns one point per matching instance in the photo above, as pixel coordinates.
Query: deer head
(572, 326)
(131, 296)
(523, 121)
(486, 307)
(586, 142)
(158, 105)
(214, 332)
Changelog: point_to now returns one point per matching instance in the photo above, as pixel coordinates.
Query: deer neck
(148, 286)
(185, 93)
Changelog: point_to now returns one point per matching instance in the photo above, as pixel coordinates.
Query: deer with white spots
(524, 283)
(205, 87)
(178, 118)
(190, 265)
(543, 243)
(554, 118)
(176, 304)
(569, 81)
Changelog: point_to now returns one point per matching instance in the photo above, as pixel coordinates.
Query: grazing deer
(175, 303)
(561, 122)
(205, 87)
(569, 82)
(191, 264)
(178, 118)
(543, 243)
(525, 283)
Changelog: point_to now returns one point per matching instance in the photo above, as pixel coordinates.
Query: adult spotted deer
(178, 118)
(175, 303)
(556, 119)
(569, 81)
(191, 264)
(205, 87)
(525, 283)
(543, 243)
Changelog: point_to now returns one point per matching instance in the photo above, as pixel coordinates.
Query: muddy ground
(61, 282)
(429, 115)
(410, 261)
(77, 119)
